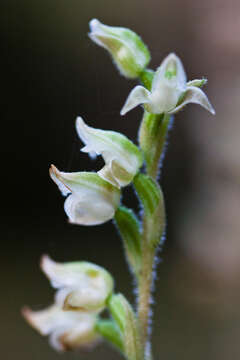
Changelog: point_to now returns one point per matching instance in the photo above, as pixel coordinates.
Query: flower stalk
(84, 290)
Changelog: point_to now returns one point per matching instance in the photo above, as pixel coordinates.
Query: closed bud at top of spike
(92, 200)
(170, 91)
(122, 158)
(83, 286)
(129, 52)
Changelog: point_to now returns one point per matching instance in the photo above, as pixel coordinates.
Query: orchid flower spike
(92, 200)
(82, 286)
(67, 330)
(122, 158)
(128, 51)
(170, 91)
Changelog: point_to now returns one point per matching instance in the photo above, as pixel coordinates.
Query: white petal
(139, 95)
(53, 171)
(172, 61)
(163, 99)
(74, 274)
(58, 273)
(67, 329)
(44, 320)
(114, 148)
(196, 96)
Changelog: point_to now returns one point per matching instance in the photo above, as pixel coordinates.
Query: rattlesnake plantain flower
(170, 91)
(92, 200)
(122, 158)
(129, 53)
(67, 330)
(82, 286)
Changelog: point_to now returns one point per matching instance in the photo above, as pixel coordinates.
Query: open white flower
(122, 158)
(67, 330)
(82, 286)
(127, 49)
(92, 200)
(170, 91)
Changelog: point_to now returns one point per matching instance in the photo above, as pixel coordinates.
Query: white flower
(66, 329)
(92, 200)
(122, 158)
(82, 286)
(170, 91)
(127, 49)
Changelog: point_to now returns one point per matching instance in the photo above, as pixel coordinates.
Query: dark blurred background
(51, 72)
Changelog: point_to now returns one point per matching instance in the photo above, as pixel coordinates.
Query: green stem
(146, 78)
(145, 285)
(152, 138)
(161, 142)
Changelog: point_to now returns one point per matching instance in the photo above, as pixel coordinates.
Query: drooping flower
(92, 200)
(82, 286)
(122, 158)
(170, 91)
(128, 51)
(67, 330)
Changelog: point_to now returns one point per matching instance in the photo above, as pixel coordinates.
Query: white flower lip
(168, 86)
(122, 158)
(92, 200)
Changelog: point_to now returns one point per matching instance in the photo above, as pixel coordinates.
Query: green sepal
(129, 228)
(110, 331)
(125, 317)
(152, 199)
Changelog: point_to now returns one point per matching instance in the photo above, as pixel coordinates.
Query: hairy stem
(145, 285)
(160, 146)
(152, 138)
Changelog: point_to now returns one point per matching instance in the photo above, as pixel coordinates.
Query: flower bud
(67, 330)
(170, 91)
(92, 200)
(128, 51)
(83, 286)
(122, 158)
